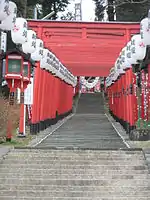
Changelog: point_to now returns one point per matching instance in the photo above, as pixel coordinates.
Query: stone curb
(4, 151)
(42, 135)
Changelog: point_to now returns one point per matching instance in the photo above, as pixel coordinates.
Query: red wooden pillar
(54, 92)
(57, 97)
(142, 94)
(118, 99)
(149, 92)
(124, 99)
(48, 100)
(135, 105)
(120, 108)
(43, 88)
(131, 99)
(34, 120)
(39, 103)
(128, 108)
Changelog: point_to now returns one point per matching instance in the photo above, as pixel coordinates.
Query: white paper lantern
(138, 47)
(45, 61)
(37, 55)
(62, 72)
(145, 31)
(4, 9)
(75, 81)
(9, 21)
(129, 55)
(119, 65)
(56, 66)
(19, 31)
(124, 61)
(30, 45)
(88, 84)
(51, 62)
(58, 72)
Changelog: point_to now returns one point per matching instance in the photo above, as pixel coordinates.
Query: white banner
(3, 41)
(28, 94)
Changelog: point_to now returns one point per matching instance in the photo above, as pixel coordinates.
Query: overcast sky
(88, 9)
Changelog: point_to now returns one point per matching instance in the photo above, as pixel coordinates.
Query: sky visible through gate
(88, 9)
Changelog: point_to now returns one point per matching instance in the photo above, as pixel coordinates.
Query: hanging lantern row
(132, 53)
(88, 84)
(51, 63)
(30, 44)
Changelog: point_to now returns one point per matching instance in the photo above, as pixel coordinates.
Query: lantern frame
(13, 75)
(24, 77)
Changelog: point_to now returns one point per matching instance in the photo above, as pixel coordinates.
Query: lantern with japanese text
(45, 61)
(37, 55)
(30, 45)
(119, 65)
(9, 22)
(19, 31)
(124, 62)
(138, 47)
(145, 31)
(61, 72)
(129, 55)
(52, 63)
(4, 9)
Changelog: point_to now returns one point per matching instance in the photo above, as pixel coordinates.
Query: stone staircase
(91, 103)
(89, 128)
(48, 174)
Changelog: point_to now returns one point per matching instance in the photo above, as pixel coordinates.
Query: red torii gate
(85, 48)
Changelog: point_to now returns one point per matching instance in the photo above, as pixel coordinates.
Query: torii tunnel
(85, 48)
(88, 49)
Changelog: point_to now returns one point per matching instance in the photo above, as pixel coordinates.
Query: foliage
(132, 11)
(125, 10)
(54, 5)
(110, 10)
(26, 7)
(5, 111)
(69, 16)
(99, 9)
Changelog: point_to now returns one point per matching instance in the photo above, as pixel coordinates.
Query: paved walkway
(89, 128)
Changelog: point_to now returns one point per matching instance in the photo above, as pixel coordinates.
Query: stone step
(77, 154)
(147, 157)
(73, 166)
(73, 198)
(74, 157)
(76, 175)
(37, 171)
(77, 181)
(75, 161)
(78, 151)
(19, 187)
(51, 194)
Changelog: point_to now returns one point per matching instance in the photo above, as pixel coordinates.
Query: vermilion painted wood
(86, 48)
(149, 92)
(35, 95)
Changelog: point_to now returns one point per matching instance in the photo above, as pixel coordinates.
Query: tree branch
(127, 2)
